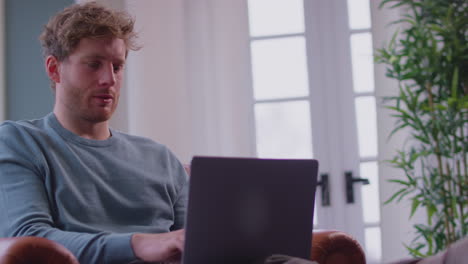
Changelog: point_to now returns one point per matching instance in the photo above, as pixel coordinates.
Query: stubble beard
(83, 111)
(98, 117)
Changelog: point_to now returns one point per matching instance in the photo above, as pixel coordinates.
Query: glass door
(313, 91)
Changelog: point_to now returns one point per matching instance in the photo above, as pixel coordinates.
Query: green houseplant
(428, 56)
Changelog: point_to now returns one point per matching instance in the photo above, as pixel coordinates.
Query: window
(285, 36)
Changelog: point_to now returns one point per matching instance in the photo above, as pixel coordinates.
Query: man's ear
(52, 68)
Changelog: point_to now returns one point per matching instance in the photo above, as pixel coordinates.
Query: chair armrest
(335, 247)
(328, 247)
(38, 250)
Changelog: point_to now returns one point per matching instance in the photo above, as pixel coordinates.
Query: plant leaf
(395, 195)
(414, 206)
(400, 182)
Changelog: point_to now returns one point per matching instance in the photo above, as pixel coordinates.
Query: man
(106, 196)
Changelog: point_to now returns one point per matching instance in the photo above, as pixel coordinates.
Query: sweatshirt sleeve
(25, 209)
(180, 206)
(180, 184)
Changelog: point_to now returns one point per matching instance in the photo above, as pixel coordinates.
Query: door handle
(350, 180)
(324, 185)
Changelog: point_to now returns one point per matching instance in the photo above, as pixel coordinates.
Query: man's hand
(165, 247)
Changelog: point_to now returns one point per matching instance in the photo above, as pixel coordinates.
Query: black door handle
(324, 184)
(350, 180)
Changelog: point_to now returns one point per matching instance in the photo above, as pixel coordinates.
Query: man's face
(90, 78)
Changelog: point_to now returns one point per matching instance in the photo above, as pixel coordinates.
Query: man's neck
(84, 128)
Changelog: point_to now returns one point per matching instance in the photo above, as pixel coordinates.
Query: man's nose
(107, 76)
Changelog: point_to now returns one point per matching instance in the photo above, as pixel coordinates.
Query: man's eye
(94, 65)
(117, 68)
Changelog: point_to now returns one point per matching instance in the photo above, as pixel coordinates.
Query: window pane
(373, 244)
(274, 17)
(279, 68)
(359, 14)
(370, 192)
(283, 130)
(366, 125)
(362, 62)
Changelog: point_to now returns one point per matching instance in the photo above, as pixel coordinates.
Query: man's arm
(26, 211)
(180, 205)
(25, 206)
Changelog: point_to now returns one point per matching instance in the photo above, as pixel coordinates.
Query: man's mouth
(104, 98)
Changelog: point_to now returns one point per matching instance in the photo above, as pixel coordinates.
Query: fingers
(180, 239)
(159, 247)
(174, 259)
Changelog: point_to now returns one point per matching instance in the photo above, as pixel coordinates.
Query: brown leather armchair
(335, 247)
(328, 247)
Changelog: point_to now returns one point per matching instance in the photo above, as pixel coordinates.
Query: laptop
(241, 210)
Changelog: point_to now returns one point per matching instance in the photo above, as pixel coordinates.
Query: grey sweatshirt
(88, 195)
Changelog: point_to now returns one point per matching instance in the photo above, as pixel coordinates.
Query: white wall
(2, 62)
(158, 102)
(396, 227)
(189, 86)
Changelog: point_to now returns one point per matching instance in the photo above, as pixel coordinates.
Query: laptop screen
(244, 209)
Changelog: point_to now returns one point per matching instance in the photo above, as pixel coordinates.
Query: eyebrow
(97, 56)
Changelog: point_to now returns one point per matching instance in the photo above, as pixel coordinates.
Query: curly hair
(64, 31)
